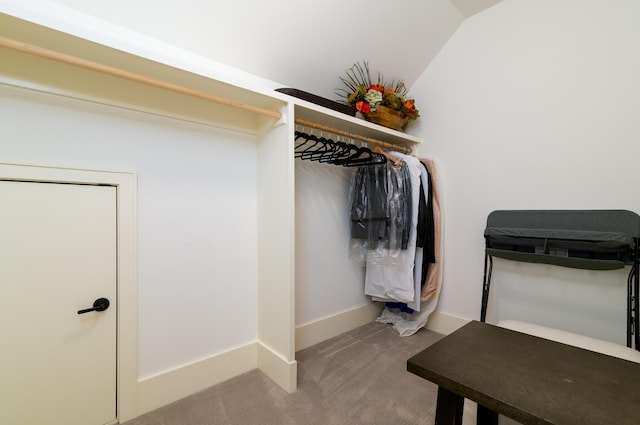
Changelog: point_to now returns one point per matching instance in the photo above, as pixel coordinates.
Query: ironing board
(582, 239)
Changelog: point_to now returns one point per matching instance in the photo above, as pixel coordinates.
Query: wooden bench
(530, 379)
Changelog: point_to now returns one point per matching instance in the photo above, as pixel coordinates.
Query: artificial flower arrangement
(367, 97)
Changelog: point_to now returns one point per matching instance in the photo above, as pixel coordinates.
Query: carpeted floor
(358, 377)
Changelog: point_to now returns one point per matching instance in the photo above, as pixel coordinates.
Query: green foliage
(359, 90)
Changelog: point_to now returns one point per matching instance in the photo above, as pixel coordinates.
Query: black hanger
(362, 156)
(340, 150)
(310, 143)
(321, 149)
(299, 147)
(312, 152)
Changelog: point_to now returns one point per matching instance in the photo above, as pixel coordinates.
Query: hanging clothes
(389, 274)
(407, 323)
(424, 237)
(433, 276)
(394, 229)
(395, 233)
(380, 209)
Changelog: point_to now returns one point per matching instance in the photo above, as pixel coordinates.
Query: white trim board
(172, 385)
(169, 386)
(320, 330)
(280, 370)
(166, 387)
(444, 323)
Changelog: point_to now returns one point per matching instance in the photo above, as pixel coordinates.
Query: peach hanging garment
(432, 280)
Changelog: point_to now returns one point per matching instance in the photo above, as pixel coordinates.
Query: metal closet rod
(105, 69)
(333, 130)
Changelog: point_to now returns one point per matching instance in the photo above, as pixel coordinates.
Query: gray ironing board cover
(586, 239)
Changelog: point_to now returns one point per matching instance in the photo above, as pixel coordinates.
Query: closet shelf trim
(105, 69)
(139, 78)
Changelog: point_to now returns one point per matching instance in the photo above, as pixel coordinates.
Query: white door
(57, 256)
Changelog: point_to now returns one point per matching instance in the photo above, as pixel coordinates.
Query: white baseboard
(328, 327)
(167, 387)
(159, 390)
(445, 323)
(280, 370)
(164, 388)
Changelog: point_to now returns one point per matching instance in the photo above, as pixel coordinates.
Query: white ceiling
(471, 7)
(300, 44)
(399, 41)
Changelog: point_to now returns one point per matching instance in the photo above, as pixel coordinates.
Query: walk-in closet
(234, 242)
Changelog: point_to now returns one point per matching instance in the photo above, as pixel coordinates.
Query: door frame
(127, 265)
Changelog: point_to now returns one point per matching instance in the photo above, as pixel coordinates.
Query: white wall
(328, 282)
(197, 289)
(196, 214)
(535, 104)
(532, 104)
(197, 220)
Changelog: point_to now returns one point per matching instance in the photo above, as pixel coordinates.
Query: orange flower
(366, 94)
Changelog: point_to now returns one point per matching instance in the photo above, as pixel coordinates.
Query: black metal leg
(449, 408)
(630, 283)
(636, 297)
(633, 300)
(486, 416)
(486, 284)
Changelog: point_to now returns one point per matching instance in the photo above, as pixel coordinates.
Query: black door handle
(101, 304)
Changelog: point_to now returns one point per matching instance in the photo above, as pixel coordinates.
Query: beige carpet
(359, 377)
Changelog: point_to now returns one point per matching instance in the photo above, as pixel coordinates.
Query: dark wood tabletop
(531, 379)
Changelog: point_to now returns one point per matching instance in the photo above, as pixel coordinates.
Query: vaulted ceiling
(320, 40)
(399, 38)
(298, 44)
